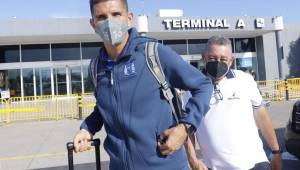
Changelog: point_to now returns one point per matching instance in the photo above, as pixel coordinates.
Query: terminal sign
(206, 23)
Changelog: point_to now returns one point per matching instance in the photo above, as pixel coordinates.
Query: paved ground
(41, 145)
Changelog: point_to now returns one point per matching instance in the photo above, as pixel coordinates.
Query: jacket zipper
(116, 94)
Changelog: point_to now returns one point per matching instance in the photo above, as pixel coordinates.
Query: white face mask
(112, 31)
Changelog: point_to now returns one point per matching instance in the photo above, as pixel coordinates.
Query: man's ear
(129, 19)
(92, 23)
(232, 59)
(231, 64)
(203, 57)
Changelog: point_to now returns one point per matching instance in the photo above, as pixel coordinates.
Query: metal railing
(293, 88)
(39, 108)
(272, 89)
(75, 106)
(86, 105)
(279, 90)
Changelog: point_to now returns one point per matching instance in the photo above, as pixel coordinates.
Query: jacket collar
(230, 74)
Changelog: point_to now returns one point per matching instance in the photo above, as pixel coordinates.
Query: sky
(289, 9)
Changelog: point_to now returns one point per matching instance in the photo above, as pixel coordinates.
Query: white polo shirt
(228, 135)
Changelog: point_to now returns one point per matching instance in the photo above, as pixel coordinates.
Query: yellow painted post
(35, 104)
(72, 109)
(280, 89)
(57, 107)
(80, 105)
(286, 86)
(7, 103)
(2, 119)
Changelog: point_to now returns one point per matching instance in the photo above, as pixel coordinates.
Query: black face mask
(216, 69)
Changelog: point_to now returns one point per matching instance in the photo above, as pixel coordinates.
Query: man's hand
(198, 165)
(81, 141)
(276, 162)
(172, 139)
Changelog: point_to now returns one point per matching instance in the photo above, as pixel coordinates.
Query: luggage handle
(95, 143)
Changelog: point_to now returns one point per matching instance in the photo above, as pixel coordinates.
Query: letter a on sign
(240, 24)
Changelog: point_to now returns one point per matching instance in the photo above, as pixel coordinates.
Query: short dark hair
(94, 2)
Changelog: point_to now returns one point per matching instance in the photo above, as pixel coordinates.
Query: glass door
(28, 81)
(60, 81)
(43, 81)
(76, 84)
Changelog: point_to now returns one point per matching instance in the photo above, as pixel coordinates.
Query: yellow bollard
(57, 108)
(8, 112)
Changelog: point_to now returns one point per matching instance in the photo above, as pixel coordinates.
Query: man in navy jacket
(141, 132)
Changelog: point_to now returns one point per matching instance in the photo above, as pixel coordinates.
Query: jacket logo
(100, 74)
(129, 69)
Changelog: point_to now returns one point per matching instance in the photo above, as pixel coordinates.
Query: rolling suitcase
(95, 143)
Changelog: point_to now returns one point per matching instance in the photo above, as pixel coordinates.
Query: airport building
(51, 56)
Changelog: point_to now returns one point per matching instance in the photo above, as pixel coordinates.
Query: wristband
(278, 151)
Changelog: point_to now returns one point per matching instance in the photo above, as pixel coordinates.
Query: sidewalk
(41, 145)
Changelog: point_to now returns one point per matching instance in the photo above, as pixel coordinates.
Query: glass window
(244, 45)
(9, 54)
(37, 52)
(179, 46)
(199, 64)
(28, 81)
(10, 80)
(76, 80)
(3, 82)
(245, 64)
(43, 81)
(70, 51)
(88, 87)
(14, 82)
(60, 81)
(196, 46)
(90, 50)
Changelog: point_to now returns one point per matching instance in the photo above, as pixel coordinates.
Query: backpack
(153, 63)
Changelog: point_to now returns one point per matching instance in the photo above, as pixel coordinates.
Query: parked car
(292, 131)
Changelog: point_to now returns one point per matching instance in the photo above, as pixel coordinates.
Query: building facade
(51, 56)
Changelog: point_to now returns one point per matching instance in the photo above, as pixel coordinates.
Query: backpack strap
(153, 63)
(93, 71)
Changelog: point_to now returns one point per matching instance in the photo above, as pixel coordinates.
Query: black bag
(295, 118)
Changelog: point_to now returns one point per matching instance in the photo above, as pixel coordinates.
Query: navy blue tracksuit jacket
(133, 110)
